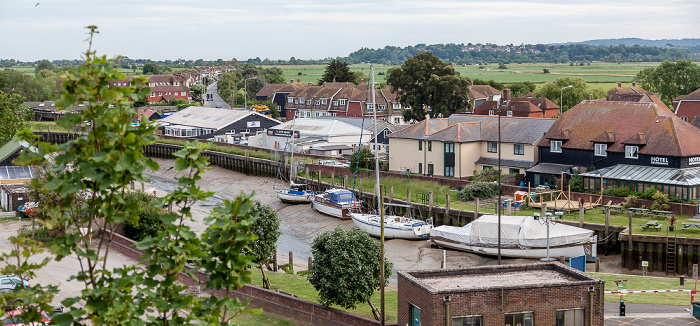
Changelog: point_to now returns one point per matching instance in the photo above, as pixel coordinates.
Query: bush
(660, 201)
(149, 222)
(648, 194)
(618, 192)
(482, 190)
(576, 183)
(630, 201)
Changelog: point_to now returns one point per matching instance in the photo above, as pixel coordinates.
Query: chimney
(309, 83)
(634, 83)
(506, 94)
(298, 80)
(291, 81)
(362, 80)
(619, 84)
(334, 79)
(471, 82)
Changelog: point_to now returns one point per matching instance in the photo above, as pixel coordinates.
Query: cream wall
(404, 153)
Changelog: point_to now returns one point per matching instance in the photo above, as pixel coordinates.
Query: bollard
(509, 207)
(682, 280)
(291, 262)
(597, 265)
(695, 271)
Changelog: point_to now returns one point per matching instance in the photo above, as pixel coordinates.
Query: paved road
(637, 314)
(217, 101)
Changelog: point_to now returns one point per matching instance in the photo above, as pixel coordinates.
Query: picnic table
(613, 208)
(639, 211)
(661, 213)
(653, 224)
(690, 226)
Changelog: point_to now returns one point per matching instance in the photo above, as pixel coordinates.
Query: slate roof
(658, 128)
(694, 96)
(211, 118)
(357, 122)
(421, 129)
(505, 162)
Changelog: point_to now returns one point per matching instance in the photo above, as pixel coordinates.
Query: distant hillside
(686, 42)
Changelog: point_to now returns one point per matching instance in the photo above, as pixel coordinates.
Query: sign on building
(282, 133)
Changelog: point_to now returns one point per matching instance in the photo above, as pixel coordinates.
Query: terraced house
(462, 144)
(164, 88)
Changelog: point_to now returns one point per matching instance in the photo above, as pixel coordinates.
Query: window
(631, 151)
(492, 112)
(397, 120)
(492, 147)
(420, 168)
(183, 93)
(335, 103)
(449, 171)
(518, 149)
(486, 167)
(601, 149)
(520, 319)
(382, 107)
(317, 103)
(509, 113)
(420, 145)
(468, 321)
(684, 119)
(324, 101)
(341, 102)
(290, 100)
(153, 94)
(449, 147)
(430, 146)
(570, 317)
(160, 93)
(555, 146)
(308, 102)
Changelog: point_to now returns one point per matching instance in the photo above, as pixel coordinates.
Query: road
(217, 101)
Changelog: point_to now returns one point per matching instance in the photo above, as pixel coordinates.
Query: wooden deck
(563, 205)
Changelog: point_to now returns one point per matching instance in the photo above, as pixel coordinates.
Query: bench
(661, 213)
(639, 211)
(690, 226)
(613, 208)
(653, 224)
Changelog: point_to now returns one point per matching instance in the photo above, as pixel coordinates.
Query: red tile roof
(695, 96)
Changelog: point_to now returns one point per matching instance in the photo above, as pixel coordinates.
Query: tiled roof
(631, 123)
(269, 89)
(628, 97)
(421, 129)
(626, 90)
(695, 96)
(483, 90)
(540, 102)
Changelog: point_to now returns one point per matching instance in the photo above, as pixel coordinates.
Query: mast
(291, 159)
(380, 202)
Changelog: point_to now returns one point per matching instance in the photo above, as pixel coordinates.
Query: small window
(420, 145)
(397, 120)
(341, 102)
(486, 168)
(570, 317)
(290, 100)
(449, 147)
(449, 171)
(324, 101)
(420, 168)
(153, 94)
(430, 146)
(468, 321)
(317, 102)
(308, 102)
(555, 146)
(684, 119)
(492, 147)
(492, 112)
(509, 113)
(335, 103)
(631, 151)
(513, 171)
(160, 93)
(523, 319)
(518, 149)
(601, 149)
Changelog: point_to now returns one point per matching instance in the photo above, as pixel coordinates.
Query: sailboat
(395, 227)
(297, 192)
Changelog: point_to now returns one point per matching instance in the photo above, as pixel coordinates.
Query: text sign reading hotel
(694, 160)
(282, 133)
(659, 160)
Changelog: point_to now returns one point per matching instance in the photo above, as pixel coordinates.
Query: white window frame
(290, 100)
(631, 151)
(492, 147)
(324, 101)
(601, 150)
(308, 102)
(335, 103)
(492, 112)
(555, 146)
(153, 94)
(509, 113)
(341, 102)
(317, 102)
(397, 120)
(458, 320)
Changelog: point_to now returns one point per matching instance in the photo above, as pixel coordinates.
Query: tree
(346, 267)
(365, 159)
(519, 89)
(197, 92)
(337, 71)
(571, 96)
(670, 79)
(13, 116)
(151, 68)
(266, 231)
(425, 82)
(103, 162)
(44, 65)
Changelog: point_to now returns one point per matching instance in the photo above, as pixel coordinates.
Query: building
(478, 94)
(462, 144)
(208, 123)
(687, 107)
(519, 107)
(278, 93)
(384, 128)
(629, 144)
(532, 294)
(321, 134)
(164, 88)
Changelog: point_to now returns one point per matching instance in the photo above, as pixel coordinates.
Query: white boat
(521, 236)
(336, 202)
(296, 193)
(395, 227)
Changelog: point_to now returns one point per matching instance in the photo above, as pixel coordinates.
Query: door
(430, 170)
(415, 316)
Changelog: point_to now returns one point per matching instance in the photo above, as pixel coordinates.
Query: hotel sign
(655, 160)
(694, 160)
(282, 133)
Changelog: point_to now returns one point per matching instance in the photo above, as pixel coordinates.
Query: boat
(395, 226)
(521, 236)
(297, 192)
(336, 202)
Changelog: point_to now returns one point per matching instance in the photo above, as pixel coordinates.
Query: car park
(333, 163)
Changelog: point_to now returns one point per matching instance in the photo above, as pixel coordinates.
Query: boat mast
(291, 159)
(379, 195)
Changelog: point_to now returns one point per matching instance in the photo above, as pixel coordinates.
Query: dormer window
(341, 102)
(290, 100)
(555, 146)
(317, 102)
(631, 151)
(601, 149)
(335, 103)
(308, 102)
(324, 101)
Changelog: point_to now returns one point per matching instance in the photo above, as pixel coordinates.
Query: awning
(550, 168)
(648, 174)
(507, 163)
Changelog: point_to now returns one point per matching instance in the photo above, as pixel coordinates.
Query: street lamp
(561, 98)
(245, 92)
(548, 219)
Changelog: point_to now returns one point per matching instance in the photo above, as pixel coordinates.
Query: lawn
(44, 126)
(636, 283)
(262, 319)
(299, 286)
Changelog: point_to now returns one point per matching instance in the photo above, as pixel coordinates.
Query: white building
(310, 133)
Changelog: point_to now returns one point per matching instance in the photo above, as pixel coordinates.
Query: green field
(637, 283)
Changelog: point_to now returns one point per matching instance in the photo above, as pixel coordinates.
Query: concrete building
(205, 123)
(312, 133)
(511, 295)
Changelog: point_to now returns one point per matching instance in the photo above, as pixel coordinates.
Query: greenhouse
(679, 183)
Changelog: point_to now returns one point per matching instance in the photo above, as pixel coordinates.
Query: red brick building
(687, 107)
(524, 295)
(164, 88)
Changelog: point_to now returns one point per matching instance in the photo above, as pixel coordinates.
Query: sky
(32, 30)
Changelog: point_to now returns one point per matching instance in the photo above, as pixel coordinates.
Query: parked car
(334, 163)
(13, 280)
(11, 318)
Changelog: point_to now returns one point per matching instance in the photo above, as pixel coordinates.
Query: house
(47, 110)
(208, 123)
(519, 107)
(462, 144)
(478, 94)
(277, 93)
(383, 130)
(687, 107)
(13, 186)
(320, 134)
(530, 294)
(11, 150)
(164, 88)
(629, 144)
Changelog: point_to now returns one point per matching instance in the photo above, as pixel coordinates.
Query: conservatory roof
(648, 174)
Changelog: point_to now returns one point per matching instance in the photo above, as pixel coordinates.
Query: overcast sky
(316, 29)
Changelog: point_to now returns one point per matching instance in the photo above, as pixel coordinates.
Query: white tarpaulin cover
(516, 231)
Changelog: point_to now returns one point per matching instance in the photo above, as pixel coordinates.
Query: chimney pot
(634, 83)
(619, 84)
(506, 94)
(291, 81)
(298, 80)
(309, 83)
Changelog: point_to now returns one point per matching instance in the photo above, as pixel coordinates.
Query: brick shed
(516, 295)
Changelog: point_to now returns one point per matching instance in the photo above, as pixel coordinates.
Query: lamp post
(548, 219)
(561, 98)
(498, 106)
(245, 92)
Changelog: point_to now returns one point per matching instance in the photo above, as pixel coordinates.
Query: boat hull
(285, 196)
(392, 229)
(587, 249)
(331, 209)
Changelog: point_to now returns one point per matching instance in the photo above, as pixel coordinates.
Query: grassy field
(636, 283)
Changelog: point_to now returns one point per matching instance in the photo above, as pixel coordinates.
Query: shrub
(660, 201)
(648, 194)
(618, 192)
(482, 190)
(149, 222)
(576, 183)
(630, 201)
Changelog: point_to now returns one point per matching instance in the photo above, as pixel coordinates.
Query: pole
(499, 182)
(381, 198)
(548, 242)
(561, 98)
